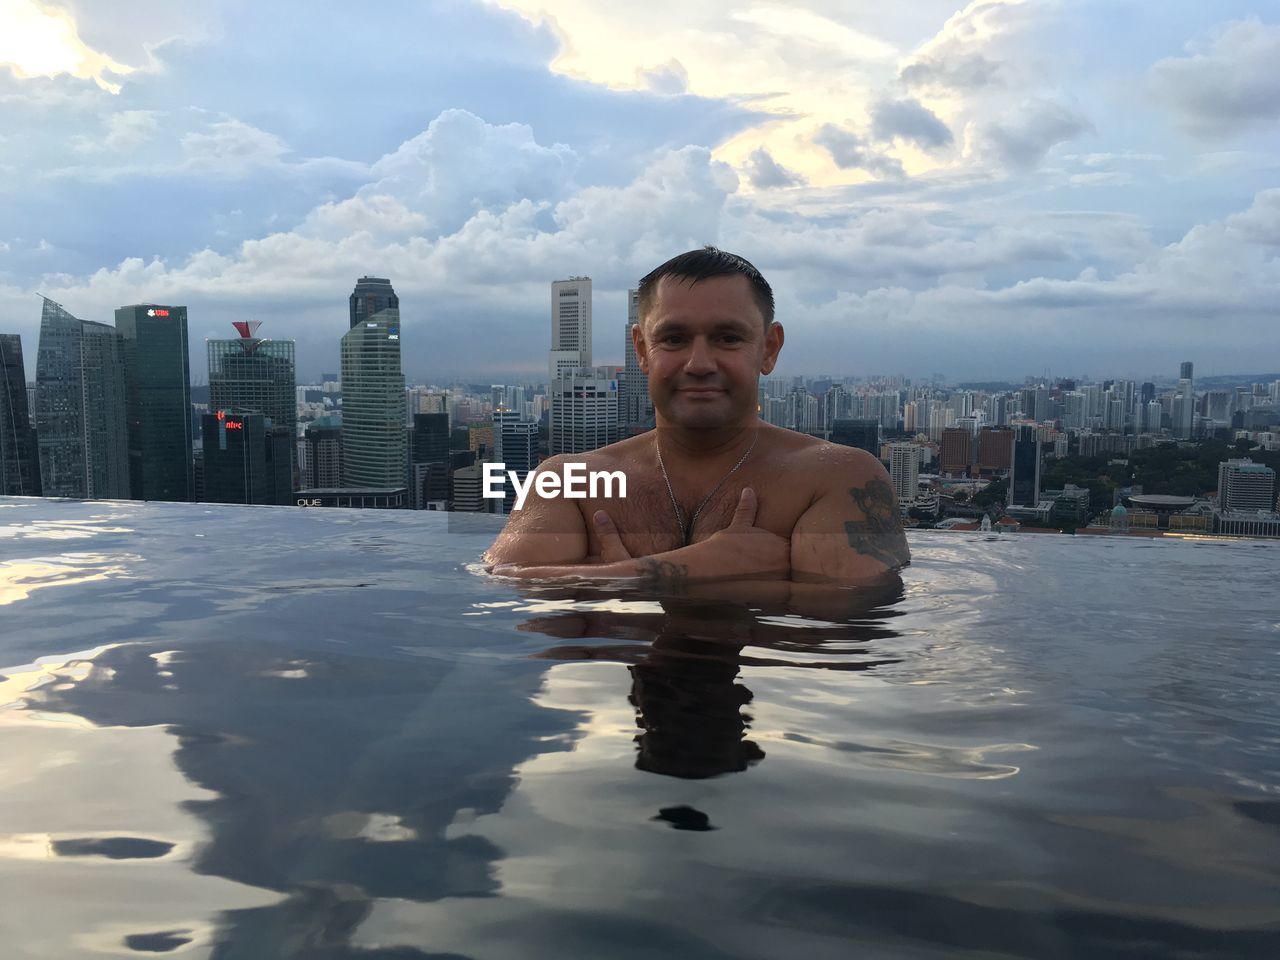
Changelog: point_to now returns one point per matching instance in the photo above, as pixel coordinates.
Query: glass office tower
(246, 459)
(373, 410)
(248, 374)
(19, 465)
(158, 401)
(81, 431)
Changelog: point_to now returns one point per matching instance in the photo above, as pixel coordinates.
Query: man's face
(704, 347)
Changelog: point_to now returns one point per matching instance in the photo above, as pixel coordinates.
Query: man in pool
(714, 493)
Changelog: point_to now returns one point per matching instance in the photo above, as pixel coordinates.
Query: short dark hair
(697, 265)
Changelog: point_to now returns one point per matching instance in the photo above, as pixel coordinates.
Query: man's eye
(731, 338)
(672, 338)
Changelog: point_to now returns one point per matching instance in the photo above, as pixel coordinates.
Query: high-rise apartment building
(904, 471)
(373, 405)
(81, 431)
(157, 401)
(246, 459)
(957, 451)
(249, 374)
(995, 450)
(584, 410)
(19, 463)
(1245, 485)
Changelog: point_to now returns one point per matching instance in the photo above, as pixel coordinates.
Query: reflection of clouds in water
(61, 530)
(105, 811)
(19, 578)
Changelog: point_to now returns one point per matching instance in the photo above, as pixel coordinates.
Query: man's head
(706, 334)
(703, 264)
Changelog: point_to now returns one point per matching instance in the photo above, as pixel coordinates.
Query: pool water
(272, 732)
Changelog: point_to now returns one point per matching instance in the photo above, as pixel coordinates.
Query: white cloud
(964, 55)
(765, 173)
(461, 165)
(909, 120)
(1021, 139)
(232, 148)
(670, 78)
(124, 131)
(850, 151)
(1226, 85)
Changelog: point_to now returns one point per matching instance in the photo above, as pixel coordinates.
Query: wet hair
(698, 265)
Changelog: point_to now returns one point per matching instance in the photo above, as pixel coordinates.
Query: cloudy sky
(982, 190)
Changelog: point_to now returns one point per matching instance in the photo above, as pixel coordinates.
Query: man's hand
(740, 551)
(747, 551)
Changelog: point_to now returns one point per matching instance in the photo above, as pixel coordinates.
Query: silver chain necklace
(687, 531)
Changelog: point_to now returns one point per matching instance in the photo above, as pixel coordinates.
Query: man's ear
(773, 339)
(642, 348)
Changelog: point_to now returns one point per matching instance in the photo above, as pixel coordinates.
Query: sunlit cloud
(38, 41)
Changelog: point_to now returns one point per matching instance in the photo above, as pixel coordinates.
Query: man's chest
(649, 524)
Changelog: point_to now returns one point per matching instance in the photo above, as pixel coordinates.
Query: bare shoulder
(827, 465)
(544, 530)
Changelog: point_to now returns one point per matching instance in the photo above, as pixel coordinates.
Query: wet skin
(797, 509)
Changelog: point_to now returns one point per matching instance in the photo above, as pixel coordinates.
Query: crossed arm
(850, 534)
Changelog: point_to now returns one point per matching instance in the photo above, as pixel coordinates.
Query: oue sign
(307, 502)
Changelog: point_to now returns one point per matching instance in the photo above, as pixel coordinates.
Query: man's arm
(852, 532)
(740, 551)
(543, 531)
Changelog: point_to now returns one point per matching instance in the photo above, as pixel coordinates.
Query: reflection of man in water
(714, 492)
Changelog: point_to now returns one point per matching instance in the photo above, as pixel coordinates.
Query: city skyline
(1002, 184)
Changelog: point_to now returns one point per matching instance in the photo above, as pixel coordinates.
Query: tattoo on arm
(664, 575)
(879, 533)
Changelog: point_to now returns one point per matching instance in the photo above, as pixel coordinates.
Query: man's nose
(701, 358)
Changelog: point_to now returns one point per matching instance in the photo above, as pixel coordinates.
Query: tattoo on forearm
(664, 575)
(879, 533)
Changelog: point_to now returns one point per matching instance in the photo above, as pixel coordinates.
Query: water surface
(267, 732)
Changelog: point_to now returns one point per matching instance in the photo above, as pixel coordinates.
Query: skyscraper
(1185, 372)
(324, 460)
(570, 326)
(81, 430)
(1024, 477)
(249, 374)
(516, 447)
(584, 410)
(246, 459)
(1184, 408)
(863, 433)
(570, 342)
(372, 295)
(633, 395)
(373, 406)
(157, 401)
(19, 463)
(429, 459)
